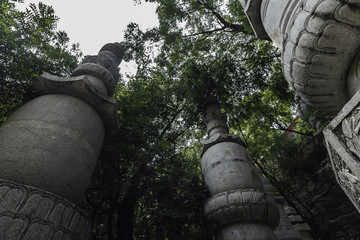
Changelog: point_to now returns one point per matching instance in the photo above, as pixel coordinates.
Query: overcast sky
(92, 23)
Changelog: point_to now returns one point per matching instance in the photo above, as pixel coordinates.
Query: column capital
(82, 88)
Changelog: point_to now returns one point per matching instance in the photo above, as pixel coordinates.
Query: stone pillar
(320, 42)
(49, 148)
(238, 204)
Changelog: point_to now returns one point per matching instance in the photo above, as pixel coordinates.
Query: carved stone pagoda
(49, 149)
(238, 206)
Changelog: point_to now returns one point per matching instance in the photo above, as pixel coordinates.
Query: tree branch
(226, 24)
(207, 32)
(279, 124)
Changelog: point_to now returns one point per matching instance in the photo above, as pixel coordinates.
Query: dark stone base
(30, 213)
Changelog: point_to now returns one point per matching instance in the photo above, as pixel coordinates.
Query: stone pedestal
(49, 149)
(238, 204)
(30, 213)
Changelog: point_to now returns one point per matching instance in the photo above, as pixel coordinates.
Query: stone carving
(241, 206)
(285, 230)
(346, 179)
(238, 204)
(30, 213)
(104, 66)
(251, 8)
(342, 139)
(82, 87)
(351, 131)
(312, 36)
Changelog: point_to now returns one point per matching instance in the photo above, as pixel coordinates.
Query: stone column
(320, 42)
(238, 204)
(49, 148)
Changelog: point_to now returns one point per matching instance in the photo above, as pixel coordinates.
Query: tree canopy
(29, 45)
(200, 49)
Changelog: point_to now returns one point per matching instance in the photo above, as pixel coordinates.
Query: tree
(29, 45)
(208, 47)
(147, 183)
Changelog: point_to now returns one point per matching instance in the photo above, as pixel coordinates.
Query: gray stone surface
(52, 143)
(353, 78)
(238, 204)
(251, 8)
(246, 231)
(49, 148)
(36, 214)
(103, 66)
(242, 205)
(226, 166)
(88, 88)
(319, 40)
(342, 138)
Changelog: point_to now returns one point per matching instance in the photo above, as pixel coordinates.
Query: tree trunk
(126, 212)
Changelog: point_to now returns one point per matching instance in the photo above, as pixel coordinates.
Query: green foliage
(29, 45)
(148, 183)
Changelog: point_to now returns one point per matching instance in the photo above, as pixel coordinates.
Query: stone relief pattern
(242, 205)
(346, 178)
(322, 38)
(351, 132)
(27, 213)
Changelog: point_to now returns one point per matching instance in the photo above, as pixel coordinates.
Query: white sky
(93, 23)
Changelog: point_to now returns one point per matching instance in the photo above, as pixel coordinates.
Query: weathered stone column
(49, 148)
(320, 42)
(238, 204)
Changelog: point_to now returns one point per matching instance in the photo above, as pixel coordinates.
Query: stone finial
(215, 120)
(104, 66)
(216, 126)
